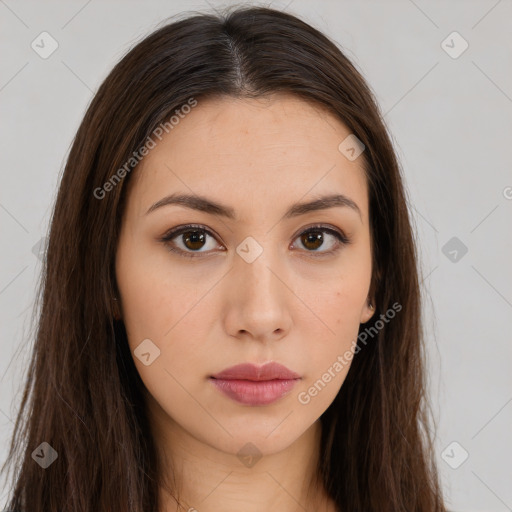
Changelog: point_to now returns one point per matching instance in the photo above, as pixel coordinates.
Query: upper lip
(249, 371)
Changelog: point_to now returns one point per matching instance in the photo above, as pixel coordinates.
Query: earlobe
(369, 311)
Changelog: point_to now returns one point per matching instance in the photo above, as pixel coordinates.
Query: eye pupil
(312, 237)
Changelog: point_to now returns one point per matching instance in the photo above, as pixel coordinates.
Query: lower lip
(254, 392)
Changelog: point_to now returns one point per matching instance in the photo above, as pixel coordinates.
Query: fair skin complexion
(292, 304)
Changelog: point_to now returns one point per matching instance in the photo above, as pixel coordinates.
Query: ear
(368, 311)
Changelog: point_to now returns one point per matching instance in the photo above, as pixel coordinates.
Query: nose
(259, 300)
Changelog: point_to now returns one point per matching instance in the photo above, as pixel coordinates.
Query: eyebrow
(212, 207)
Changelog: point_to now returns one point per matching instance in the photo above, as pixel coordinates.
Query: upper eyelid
(171, 233)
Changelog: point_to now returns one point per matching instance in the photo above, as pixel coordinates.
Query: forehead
(251, 151)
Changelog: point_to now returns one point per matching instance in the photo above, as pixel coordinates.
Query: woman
(230, 309)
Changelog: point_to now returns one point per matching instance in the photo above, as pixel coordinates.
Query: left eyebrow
(212, 207)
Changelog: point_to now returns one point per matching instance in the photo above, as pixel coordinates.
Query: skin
(216, 310)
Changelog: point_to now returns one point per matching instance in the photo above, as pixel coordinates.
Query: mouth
(253, 385)
(249, 392)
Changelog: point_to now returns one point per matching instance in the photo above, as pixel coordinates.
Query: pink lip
(255, 385)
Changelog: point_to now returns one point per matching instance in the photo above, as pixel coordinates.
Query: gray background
(451, 123)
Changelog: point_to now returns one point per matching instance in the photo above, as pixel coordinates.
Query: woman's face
(254, 286)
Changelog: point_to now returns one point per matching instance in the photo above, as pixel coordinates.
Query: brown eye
(312, 240)
(322, 240)
(193, 240)
(189, 241)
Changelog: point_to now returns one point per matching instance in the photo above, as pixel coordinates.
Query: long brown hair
(83, 395)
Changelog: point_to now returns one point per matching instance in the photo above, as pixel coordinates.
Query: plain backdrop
(442, 74)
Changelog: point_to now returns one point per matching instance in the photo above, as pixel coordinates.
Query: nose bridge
(261, 296)
(256, 267)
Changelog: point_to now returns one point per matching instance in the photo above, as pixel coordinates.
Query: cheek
(337, 328)
(330, 339)
(339, 301)
(155, 297)
(162, 305)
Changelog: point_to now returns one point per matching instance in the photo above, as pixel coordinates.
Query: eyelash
(342, 239)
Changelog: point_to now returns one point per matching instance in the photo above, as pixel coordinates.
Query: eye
(192, 238)
(314, 238)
